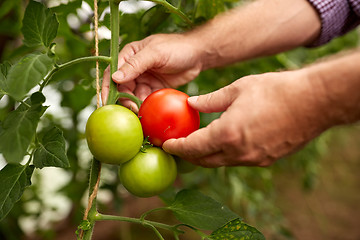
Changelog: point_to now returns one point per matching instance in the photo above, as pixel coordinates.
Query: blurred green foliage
(248, 191)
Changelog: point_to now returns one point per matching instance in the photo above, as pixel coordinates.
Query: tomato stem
(94, 176)
(148, 223)
(70, 63)
(142, 217)
(131, 97)
(114, 48)
(174, 10)
(203, 235)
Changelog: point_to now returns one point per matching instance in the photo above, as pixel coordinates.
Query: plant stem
(114, 48)
(150, 211)
(174, 10)
(99, 216)
(94, 175)
(131, 97)
(203, 235)
(70, 63)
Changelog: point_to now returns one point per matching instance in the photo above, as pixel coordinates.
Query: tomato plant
(113, 134)
(34, 141)
(166, 114)
(149, 173)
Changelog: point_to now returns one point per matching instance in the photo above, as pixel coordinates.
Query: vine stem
(95, 171)
(114, 48)
(90, 212)
(101, 217)
(174, 10)
(133, 98)
(70, 63)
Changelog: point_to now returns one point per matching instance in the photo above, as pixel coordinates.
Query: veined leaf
(237, 229)
(27, 73)
(51, 152)
(39, 25)
(4, 69)
(193, 208)
(18, 130)
(14, 179)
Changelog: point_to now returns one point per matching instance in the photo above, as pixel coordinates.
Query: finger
(127, 51)
(105, 85)
(146, 84)
(217, 101)
(135, 65)
(198, 144)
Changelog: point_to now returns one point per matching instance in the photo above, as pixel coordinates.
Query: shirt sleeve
(337, 18)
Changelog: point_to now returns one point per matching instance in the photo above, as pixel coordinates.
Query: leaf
(193, 208)
(18, 130)
(153, 18)
(14, 179)
(207, 9)
(236, 229)
(27, 73)
(51, 151)
(39, 25)
(4, 69)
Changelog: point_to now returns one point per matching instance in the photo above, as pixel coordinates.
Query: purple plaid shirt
(337, 18)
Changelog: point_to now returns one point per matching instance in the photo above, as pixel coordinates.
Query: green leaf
(4, 69)
(193, 208)
(207, 9)
(51, 151)
(18, 130)
(14, 179)
(39, 25)
(153, 18)
(237, 229)
(27, 73)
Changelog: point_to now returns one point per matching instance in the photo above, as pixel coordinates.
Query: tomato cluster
(115, 135)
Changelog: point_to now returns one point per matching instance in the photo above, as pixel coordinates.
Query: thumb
(217, 101)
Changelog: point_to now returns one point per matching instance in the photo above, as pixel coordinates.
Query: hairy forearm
(338, 81)
(259, 28)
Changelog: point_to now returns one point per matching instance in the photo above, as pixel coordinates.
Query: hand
(266, 117)
(158, 61)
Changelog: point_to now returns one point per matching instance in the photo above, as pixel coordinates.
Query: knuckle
(230, 137)
(133, 63)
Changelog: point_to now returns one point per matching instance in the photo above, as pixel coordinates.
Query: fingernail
(193, 100)
(118, 76)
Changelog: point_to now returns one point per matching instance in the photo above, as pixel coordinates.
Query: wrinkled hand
(266, 117)
(158, 61)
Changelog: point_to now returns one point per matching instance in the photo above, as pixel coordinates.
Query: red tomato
(166, 114)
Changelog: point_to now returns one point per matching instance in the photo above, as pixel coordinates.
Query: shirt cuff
(333, 15)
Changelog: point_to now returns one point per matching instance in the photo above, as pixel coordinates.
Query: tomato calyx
(145, 145)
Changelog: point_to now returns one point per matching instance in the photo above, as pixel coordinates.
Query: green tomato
(149, 173)
(114, 134)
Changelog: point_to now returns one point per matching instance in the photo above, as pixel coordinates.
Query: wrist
(338, 85)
